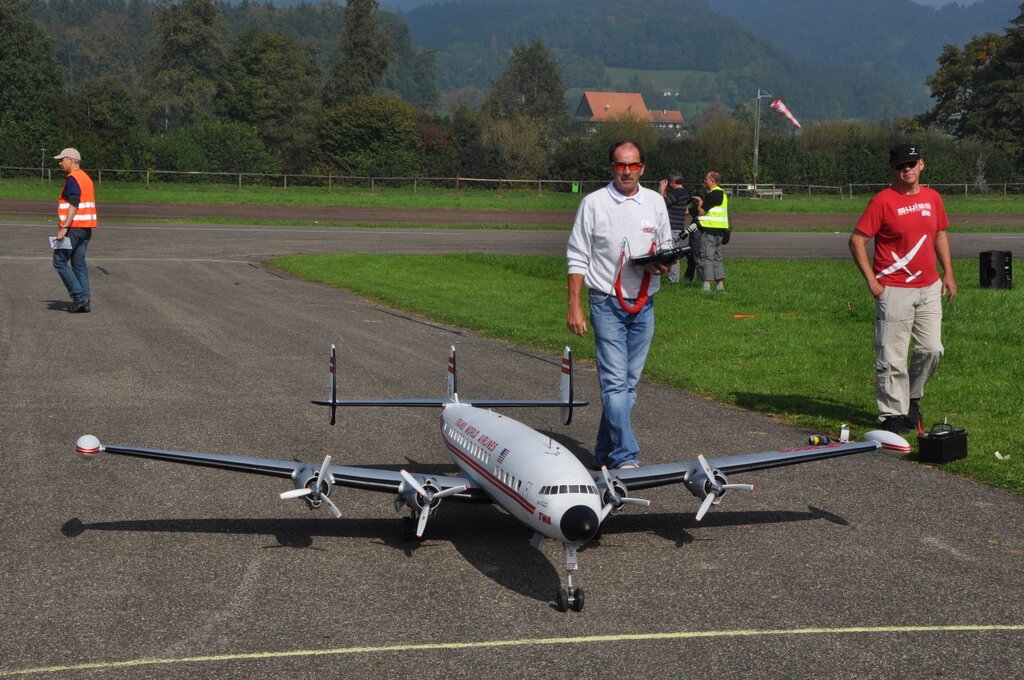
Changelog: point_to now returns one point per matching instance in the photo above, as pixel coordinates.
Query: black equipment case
(942, 444)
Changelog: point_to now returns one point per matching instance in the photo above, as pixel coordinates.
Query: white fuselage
(531, 476)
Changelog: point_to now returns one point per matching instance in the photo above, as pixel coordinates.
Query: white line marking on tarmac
(526, 642)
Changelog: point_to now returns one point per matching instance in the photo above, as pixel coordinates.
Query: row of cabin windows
(508, 479)
(569, 488)
(480, 453)
(474, 449)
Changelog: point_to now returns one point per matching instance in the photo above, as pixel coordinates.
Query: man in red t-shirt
(908, 223)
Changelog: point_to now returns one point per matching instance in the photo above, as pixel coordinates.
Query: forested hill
(829, 58)
(886, 36)
(826, 58)
(664, 45)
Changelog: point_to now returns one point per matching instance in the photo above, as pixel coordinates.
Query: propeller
(428, 498)
(616, 499)
(317, 490)
(715, 489)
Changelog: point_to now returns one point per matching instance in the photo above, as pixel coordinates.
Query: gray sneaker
(628, 465)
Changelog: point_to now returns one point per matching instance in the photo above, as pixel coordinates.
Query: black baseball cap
(904, 153)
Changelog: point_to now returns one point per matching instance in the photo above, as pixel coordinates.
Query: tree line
(199, 85)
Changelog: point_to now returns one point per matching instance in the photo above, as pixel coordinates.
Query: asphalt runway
(161, 240)
(862, 567)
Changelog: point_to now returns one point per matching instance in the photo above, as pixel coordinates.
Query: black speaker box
(995, 268)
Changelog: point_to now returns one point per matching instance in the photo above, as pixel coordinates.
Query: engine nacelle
(698, 483)
(308, 478)
(620, 491)
(412, 498)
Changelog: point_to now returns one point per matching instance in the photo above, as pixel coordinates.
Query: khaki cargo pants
(902, 316)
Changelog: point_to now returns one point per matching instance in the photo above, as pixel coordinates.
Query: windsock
(781, 108)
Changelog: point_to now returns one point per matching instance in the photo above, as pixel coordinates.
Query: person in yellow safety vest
(713, 215)
(76, 213)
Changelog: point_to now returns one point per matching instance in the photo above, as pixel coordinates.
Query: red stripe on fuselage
(504, 488)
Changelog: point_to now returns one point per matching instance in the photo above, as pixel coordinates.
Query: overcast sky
(942, 3)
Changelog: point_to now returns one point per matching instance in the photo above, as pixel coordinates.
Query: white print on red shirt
(902, 262)
(924, 208)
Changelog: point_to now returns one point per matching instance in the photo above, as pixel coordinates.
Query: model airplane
(528, 474)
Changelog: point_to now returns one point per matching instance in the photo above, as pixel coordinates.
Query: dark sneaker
(914, 415)
(80, 307)
(895, 424)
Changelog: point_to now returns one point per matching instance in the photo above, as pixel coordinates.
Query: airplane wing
(692, 473)
(301, 473)
(708, 479)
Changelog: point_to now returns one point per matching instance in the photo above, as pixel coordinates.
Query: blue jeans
(621, 341)
(71, 266)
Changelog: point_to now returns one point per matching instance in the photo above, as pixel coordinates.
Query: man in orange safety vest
(76, 213)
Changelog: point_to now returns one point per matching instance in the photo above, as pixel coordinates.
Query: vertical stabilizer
(565, 386)
(453, 383)
(332, 383)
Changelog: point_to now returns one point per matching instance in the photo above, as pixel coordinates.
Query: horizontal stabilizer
(479, 403)
(381, 402)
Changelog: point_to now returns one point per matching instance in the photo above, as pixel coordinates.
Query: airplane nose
(579, 524)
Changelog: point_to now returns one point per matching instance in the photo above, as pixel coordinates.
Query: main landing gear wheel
(564, 601)
(577, 600)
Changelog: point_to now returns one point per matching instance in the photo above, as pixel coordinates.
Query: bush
(212, 146)
(369, 135)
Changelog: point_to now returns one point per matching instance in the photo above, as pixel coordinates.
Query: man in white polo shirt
(613, 224)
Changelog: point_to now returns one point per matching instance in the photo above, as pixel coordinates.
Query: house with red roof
(598, 107)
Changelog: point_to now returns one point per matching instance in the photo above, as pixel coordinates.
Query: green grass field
(803, 353)
(432, 197)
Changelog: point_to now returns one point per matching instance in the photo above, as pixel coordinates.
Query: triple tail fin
(565, 401)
